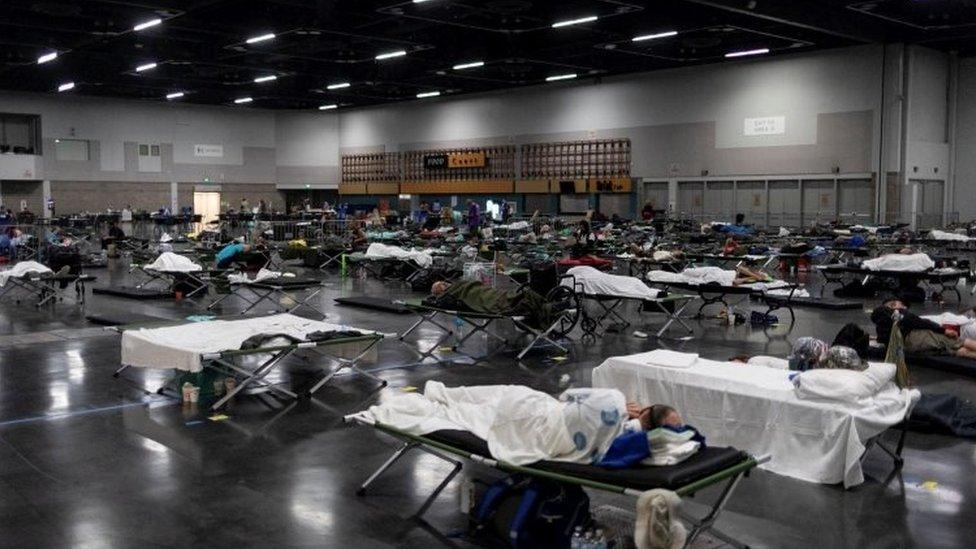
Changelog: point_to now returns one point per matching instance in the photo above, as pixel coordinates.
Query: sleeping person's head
(659, 415)
(840, 357)
(895, 304)
(438, 288)
(807, 354)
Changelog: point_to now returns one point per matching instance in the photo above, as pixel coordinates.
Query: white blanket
(378, 250)
(756, 409)
(694, 276)
(23, 269)
(967, 326)
(520, 425)
(262, 275)
(168, 262)
(182, 347)
(936, 234)
(909, 263)
(596, 282)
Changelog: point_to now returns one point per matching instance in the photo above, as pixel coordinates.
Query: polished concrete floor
(87, 460)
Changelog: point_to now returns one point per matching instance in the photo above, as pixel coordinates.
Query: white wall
(110, 125)
(717, 98)
(307, 148)
(965, 141)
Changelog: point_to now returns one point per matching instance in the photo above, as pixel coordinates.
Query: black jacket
(909, 322)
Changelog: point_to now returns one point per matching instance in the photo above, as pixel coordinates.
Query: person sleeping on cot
(480, 298)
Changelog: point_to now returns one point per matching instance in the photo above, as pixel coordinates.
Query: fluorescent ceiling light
(47, 57)
(268, 78)
(391, 54)
(66, 86)
(145, 67)
(569, 22)
(561, 77)
(419, 1)
(147, 24)
(760, 51)
(428, 94)
(653, 36)
(338, 86)
(328, 107)
(243, 100)
(261, 38)
(470, 65)
(175, 95)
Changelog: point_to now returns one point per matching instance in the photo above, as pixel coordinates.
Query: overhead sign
(770, 125)
(212, 151)
(474, 159)
(435, 161)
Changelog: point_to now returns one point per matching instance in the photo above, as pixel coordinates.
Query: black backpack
(522, 512)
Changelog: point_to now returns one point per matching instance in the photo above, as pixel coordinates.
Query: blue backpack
(521, 512)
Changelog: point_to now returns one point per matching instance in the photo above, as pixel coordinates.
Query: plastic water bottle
(587, 542)
(576, 542)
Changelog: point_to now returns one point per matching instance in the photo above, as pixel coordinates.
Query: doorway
(207, 205)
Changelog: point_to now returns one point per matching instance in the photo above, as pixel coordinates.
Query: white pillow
(843, 385)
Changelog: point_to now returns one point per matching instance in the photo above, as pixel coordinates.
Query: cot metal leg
(675, 317)
(350, 364)
(706, 522)
(118, 372)
(256, 376)
(540, 336)
(399, 453)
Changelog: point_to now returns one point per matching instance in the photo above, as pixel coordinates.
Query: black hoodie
(909, 322)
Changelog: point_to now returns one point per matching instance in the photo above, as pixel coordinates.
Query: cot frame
(479, 323)
(409, 442)
(47, 289)
(947, 282)
(223, 362)
(201, 278)
(269, 291)
(608, 305)
(711, 294)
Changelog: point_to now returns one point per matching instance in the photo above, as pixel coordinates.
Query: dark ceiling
(200, 46)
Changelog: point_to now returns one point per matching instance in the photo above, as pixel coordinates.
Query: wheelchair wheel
(563, 298)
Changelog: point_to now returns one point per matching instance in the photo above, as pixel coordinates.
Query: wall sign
(770, 125)
(435, 161)
(474, 159)
(212, 151)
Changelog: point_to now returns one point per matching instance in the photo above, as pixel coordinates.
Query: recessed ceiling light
(338, 86)
(175, 95)
(654, 36)
(471, 65)
(66, 86)
(47, 57)
(560, 77)
(428, 94)
(328, 107)
(243, 100)
(147, 24)
(578, 21)
(145, 67)
(743, 53)
(261, 38)
(268, 78)
(389, 55)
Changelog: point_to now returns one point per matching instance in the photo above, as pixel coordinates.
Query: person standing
(474, 216)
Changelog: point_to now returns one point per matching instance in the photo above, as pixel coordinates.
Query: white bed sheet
(22, 269)
(909, 263)
(595, 282)
(169, 262)
(756, 409)
(183, 346)
(377, 250)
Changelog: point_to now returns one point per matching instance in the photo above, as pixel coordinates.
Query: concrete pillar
(45, 196)
(174, 197)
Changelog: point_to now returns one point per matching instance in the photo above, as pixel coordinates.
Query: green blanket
(479, 298)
